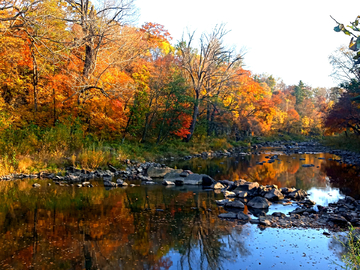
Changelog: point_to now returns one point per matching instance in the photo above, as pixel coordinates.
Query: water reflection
(156, 227)
(287, 171)
(324, 196)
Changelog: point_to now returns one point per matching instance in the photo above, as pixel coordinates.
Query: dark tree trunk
(193, 122)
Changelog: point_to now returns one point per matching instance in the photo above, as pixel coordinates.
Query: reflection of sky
(324, 195)
(272, 249)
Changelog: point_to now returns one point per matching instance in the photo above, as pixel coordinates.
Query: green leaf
(337, 29)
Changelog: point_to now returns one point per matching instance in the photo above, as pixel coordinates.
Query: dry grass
(93, 158)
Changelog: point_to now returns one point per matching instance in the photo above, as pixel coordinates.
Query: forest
(80, 83)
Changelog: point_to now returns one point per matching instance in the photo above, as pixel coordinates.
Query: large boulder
(192, 179)
(235, 204)
(258, 203)
(157, 172)
(173, 176)
(274, 195)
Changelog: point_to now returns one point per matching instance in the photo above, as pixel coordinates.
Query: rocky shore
(135, 170)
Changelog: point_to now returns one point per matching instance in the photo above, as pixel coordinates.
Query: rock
(222, 202)
(297, 195)
(278, 214)
(337, 219)
(185, 173)
(198, 179)
(36, 185)
(242, 216)
(235, 204)
(229, 194)
(218, 186)
(258, 203)
(242, 194)
(174, 176)
(79, 185)
(73, 178)
(167, 183)
(112, 168)
(206, 180)
(156, 172)
(254, 221)
(144, 178)
(85, 184)
(258, 212)
(350, 200)
(274, 195)
(229, 215)
(248, 186)
(121, 182)
(264, 222)
(149, 183)
(190, 179)
(109, 184)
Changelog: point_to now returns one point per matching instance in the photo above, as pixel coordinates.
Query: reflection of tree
(204, 247)
(60, 227)
(286, 173)
(344, 177)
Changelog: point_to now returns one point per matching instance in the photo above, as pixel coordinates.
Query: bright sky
(288, 39)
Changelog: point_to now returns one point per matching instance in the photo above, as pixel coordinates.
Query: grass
(33, 149)
(341, 141)
(351, 258)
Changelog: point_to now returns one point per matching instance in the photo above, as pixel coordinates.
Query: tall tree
(212, 62)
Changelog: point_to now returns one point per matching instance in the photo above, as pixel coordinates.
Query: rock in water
(167, 183)
(228, 215)
(235, 204)
(156, 172)
(218, 186)
(274, 195)
(259, 203)
(242, 216)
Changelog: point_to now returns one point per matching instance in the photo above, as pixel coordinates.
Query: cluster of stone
(258, 198)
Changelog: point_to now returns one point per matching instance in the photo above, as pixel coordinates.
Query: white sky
(290, 39)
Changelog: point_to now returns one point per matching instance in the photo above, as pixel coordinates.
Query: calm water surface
(158, 227)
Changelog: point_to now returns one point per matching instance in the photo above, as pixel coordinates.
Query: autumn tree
(212, 63)
(100, 31)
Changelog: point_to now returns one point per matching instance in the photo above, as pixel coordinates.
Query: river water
(158, 227)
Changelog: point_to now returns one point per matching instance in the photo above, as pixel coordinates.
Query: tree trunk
(193, 122)
(35, 77)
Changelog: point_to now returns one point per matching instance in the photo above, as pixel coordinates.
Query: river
(158, 227)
